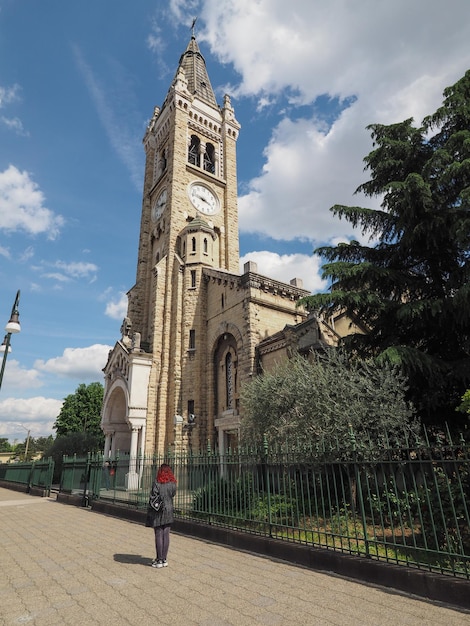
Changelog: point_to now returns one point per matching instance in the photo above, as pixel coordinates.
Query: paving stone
(64, 565)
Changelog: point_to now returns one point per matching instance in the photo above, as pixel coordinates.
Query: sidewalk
(61, 564)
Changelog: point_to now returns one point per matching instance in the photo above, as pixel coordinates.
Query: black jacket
(165, 516)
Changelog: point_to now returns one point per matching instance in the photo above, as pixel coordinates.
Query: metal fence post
(359, 494)
(267, 482)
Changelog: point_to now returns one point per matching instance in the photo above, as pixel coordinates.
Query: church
(196, 328)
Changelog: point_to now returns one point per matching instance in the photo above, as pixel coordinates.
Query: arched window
(193, 150)
(193, 244)
(229, 380)
(163, 160)
(209, 158)
(205, 245)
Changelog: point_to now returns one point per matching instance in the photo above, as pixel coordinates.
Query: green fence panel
(29, 473)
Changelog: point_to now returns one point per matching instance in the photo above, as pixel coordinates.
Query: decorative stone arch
(123, 416)
(226, 327)
(227, 345)
(114, 420)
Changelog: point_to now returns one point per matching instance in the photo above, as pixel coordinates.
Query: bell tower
(189, 221)
(190, 339)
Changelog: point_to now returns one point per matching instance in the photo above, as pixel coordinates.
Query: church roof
(198, 224)
(194, 66)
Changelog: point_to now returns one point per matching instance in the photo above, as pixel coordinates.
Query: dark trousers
(162, 541)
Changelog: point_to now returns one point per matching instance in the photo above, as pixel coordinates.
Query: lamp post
(11, 328)
(27, 441)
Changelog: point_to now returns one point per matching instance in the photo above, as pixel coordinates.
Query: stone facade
(196, 329)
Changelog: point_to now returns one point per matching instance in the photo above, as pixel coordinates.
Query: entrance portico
(124, 413)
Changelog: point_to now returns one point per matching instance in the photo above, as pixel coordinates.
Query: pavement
(61, 564)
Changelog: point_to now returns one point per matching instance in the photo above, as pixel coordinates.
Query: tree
(323, 398)
(81, 411)
(39, 444)
(464, 407)
(5, 445)
(412, 288)
(79, 443)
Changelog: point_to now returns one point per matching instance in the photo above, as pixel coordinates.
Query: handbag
(156, 501)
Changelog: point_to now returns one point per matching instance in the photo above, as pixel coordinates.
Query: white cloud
(373, 52)
(285, 267)
(57, 276)
(68, 271)
(17, 377)
(305, 173)
(117, 309)
(27, 254)
(22, 205)
(36, 414)
(120, 136)
(8, 95)
(15, 124)
(77, 269)
(85, 364)
(184, 10)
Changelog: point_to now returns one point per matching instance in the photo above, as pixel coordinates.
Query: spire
(194, 66)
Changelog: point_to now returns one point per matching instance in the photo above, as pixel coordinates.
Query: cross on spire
(192, 26)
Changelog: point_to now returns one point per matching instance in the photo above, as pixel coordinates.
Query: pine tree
(411, 289)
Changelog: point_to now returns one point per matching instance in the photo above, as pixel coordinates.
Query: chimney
(250, 266)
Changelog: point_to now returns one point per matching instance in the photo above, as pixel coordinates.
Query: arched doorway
(114, 422)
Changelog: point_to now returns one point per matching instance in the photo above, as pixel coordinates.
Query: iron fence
(407, 506)
(30, 473)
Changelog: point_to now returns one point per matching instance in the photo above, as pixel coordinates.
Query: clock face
(159, 206)
(204, 199)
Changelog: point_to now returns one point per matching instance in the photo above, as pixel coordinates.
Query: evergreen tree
(5, 445)
(411, 290)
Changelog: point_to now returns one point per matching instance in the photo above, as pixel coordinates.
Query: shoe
(164, 563)
(157, 564)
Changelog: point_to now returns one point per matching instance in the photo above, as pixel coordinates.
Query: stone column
(132, 477)
(202, 151)
(113, 443)
(107, 445)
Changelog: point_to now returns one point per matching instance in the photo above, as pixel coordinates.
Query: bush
(444, 512)
(223, 497)
(68, 445)
(276, 509)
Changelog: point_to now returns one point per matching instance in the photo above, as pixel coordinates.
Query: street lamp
(11, 328)
(27, 441)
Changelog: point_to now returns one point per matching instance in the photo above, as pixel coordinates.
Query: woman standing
(162, 520)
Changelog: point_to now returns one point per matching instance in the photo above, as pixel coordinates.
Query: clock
(203, 199)
(159, 206)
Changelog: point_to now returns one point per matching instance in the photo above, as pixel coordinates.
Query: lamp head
(5, 346)
(13, 325)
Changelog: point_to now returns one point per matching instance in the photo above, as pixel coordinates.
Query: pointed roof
(194, 66)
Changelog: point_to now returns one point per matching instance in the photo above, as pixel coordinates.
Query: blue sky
(78, 83)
